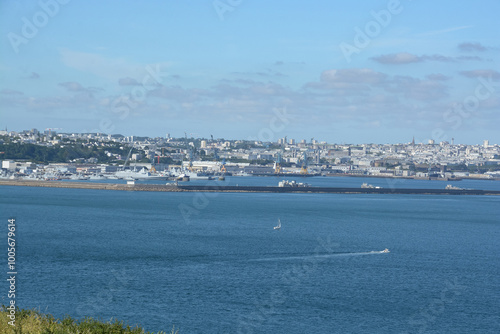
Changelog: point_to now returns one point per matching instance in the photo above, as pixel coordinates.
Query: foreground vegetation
(58, 153)
(35, 322)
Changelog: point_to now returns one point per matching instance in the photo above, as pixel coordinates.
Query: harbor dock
(256, 189)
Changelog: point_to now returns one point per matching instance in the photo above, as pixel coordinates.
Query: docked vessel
(369, 186)
(292, 184)
(97, 177)
(451, 187)
(138, 175)
(78, 177)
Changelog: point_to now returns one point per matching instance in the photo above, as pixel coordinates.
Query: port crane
(277, 164)
(303, 170)
(128, 157)
(153, 148)
(51, 129)
(191, 158)
(223, 166)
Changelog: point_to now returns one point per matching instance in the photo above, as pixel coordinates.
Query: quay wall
(266, 189)
(89, 185)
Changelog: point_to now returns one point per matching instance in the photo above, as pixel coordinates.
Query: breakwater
(262, 189)
(90, 185)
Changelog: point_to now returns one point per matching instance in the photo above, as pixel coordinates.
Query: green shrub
(35, 322)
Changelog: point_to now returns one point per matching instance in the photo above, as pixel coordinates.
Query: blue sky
(338, 71)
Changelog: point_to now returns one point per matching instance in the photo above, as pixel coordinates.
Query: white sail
(279, 225)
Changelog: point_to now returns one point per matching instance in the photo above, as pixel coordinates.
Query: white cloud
(356, 95)
(105, 67)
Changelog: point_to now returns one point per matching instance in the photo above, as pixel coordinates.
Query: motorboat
(385, 251)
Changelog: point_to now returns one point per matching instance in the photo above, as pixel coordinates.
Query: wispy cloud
(437, 77)
(269, 73)
(128, 82)
(10, 92)
(72, 86)
(444, 31)
(494, 75)
(397, 58)
(101, 66)
(105, 67)
(408, 58)
(353, 75)
(75, 87)
(358, 95)
(470, 46)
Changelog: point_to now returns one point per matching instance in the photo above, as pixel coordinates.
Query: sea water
(213, 263)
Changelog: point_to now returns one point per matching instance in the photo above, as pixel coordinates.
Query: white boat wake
(320, 256)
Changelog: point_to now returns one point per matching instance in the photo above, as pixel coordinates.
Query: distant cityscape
(44, 154)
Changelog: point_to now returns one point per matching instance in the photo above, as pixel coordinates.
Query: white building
(8, 164)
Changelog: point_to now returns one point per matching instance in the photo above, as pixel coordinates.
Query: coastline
(242, 189)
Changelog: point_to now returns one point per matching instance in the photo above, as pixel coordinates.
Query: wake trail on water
(317, 256)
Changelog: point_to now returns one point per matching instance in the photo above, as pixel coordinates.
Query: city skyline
(286, 140)
(340, 72)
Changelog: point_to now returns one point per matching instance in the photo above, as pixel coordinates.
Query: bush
(35, 322)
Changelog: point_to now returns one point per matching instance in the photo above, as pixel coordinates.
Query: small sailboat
(277, 227)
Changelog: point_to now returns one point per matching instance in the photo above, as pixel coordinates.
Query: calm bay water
(212, 263)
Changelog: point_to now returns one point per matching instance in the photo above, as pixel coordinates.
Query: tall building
(486, 143)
